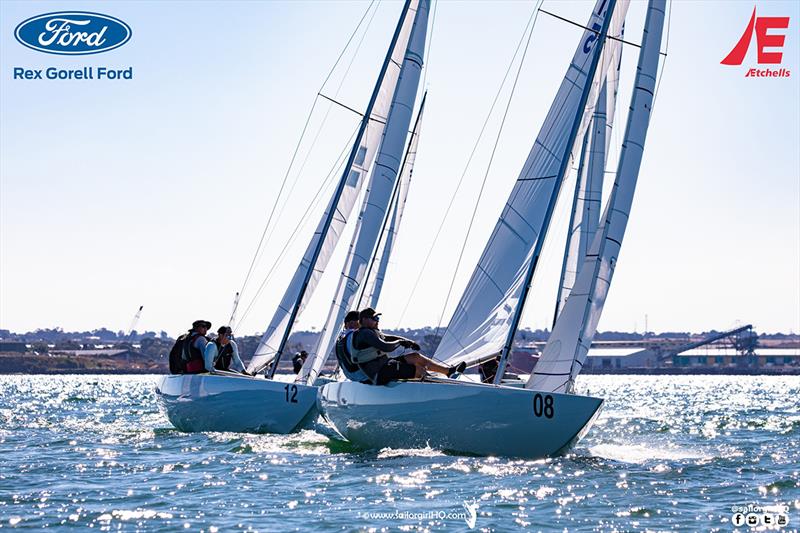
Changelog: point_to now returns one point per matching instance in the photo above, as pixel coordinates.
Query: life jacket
(224, 356)
(343, 349)
(192, 356)
(363, 355)
(176, 362)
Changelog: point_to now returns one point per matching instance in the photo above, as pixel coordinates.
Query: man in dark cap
(194, 347)
(299, 360)
(371, 349)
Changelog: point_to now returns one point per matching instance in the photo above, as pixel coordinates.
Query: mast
(534, 260)
(232, 320)
(339, 189)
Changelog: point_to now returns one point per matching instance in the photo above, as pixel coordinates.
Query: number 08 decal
(543, 405)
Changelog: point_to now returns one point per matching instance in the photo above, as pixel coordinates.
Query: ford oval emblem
(72, 33)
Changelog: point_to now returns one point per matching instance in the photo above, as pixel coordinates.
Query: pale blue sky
(154, 191)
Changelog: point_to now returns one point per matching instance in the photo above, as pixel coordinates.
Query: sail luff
(331, 226)
(562, 281)
(569, 343)
(384, 177)
(585, 216)
(375, 282)
(565, 163)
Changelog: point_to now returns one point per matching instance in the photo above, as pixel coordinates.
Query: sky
(155, 191)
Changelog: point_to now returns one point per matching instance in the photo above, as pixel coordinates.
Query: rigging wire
(466, 167)
(297, 148)
(337, 165)
(322, 123)
(430, 44)
(488, 168)
(666, 55)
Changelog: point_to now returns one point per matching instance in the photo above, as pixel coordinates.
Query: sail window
(361, 155)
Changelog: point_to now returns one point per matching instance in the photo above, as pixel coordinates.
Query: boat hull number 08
(543, 405)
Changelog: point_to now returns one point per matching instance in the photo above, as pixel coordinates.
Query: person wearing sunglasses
(372, 348)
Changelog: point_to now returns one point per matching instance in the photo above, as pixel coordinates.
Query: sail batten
(490, 306)
(337, 212)
(569, 342)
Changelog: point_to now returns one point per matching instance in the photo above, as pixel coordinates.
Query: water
(668, 453)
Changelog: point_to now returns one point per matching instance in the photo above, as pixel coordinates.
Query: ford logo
(73, 33)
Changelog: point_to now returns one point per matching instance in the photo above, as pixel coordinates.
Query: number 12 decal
(293, 397)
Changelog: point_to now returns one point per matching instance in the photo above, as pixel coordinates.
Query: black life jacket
(224, 356)
(176, 362)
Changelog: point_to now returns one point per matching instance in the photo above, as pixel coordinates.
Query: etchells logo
(73, 33)
(765, 38)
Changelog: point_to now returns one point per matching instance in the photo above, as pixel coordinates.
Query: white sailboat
(223, 401)
(545, 417)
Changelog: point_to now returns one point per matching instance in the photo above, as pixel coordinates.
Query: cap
(224, 329)
(368, 313)
(350, 316)
(201, 324)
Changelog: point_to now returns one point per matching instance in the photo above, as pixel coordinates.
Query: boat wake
(639, 453)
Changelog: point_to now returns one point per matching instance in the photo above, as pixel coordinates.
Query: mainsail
(336, 214)
(488, 309)
(574, 330)
(378, 195)
(374, 283)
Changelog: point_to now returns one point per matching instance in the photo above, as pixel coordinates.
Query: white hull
(457, 416)
(238, 403)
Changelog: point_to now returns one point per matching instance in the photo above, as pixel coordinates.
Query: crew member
(194, 347)
(299, 360)
(371, 348)
(223, 353)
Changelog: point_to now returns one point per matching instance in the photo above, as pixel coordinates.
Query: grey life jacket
(362, 355)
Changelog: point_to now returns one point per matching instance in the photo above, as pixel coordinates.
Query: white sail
(483, 317)
(378, 195)
(377, 274)
(585, 215)
(572, 335)
(367, 145)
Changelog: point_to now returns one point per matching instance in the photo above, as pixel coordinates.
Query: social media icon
(767, 519)
(738, 519)
(752, 519)
(782, 520)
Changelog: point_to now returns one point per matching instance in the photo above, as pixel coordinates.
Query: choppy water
(667, 453)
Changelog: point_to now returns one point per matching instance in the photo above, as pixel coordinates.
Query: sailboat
(223, 401)
(546, 416)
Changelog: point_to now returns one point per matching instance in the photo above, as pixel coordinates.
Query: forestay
(365, 148)
(585, 216)
(572, 334)
(378, 195)
(483, 317)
